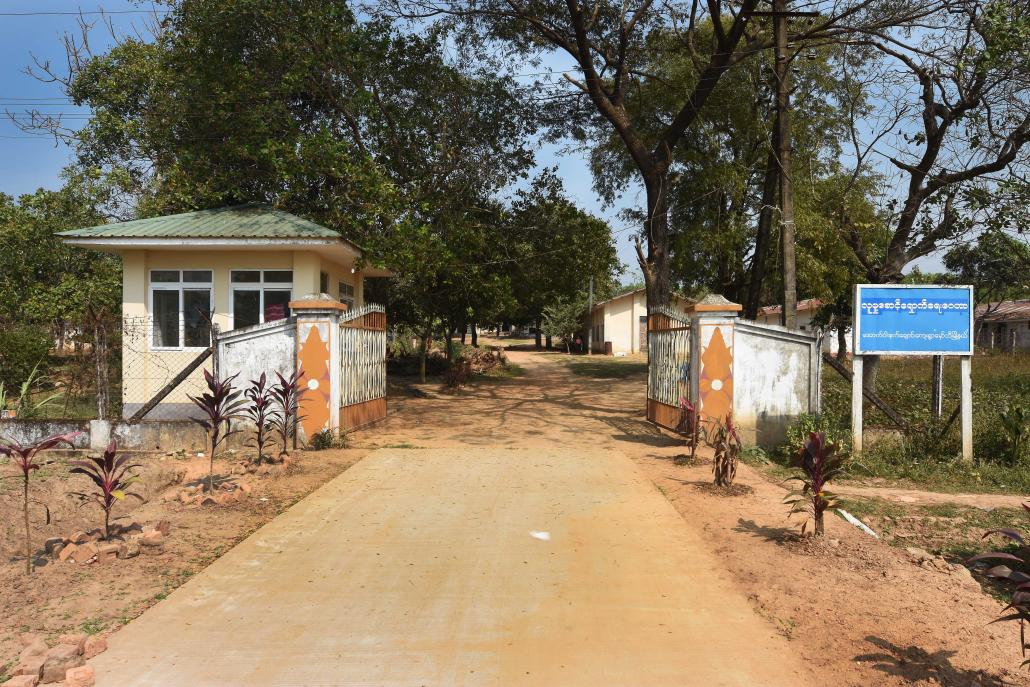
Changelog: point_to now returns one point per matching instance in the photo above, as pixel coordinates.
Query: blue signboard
(899, 319)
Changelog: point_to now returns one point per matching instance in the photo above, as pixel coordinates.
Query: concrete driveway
(462, 567)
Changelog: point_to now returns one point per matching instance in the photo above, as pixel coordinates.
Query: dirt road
(523, 549)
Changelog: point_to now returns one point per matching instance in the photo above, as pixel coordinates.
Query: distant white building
(807, 310)
(620, 324)
(1004, 325)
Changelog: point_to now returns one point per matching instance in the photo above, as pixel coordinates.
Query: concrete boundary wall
(157, 435)
(778, 377)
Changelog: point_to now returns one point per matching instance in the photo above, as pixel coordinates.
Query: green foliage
(23, 349)
(820, 463)
(997, 265)
(563, 317)
(328, 439)
(33, 401)
(801, 429)
(1015, 421)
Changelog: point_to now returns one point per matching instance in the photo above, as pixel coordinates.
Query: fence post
(318, 360)
(712, 321)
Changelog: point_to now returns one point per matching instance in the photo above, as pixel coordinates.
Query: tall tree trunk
(423, 347)
(450, 343)
(464, 331)
(763, 239)
(655, 265)
(548, 343)
(842, 343)
(475, 335)
(789, 318)
(100, 351)
(539, 341)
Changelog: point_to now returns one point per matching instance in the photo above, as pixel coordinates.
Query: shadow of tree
(916, 664)
(773, 534)
(640, 432)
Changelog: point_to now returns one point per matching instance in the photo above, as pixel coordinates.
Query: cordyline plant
(286, 396)
(820, 463)
(220, 405)
(262, 411)
(1019, 606)
(690, 425)
(25, 458)
(725, 441)
(110, 473)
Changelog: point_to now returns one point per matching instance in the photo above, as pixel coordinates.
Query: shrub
(820, 463)
(261, 411)
(1015, 422)
(799, 432)
(457, 374)
(726, 443)
(327, 439)
(25, 458)
(22, 348)
(286, 395)
(221, 405)
(1019, 582)
(111, 476)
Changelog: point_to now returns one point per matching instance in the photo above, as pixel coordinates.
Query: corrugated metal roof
(237, 222)
(1004, 311)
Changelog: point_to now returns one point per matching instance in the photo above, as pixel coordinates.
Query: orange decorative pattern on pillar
(716, 377)
(313, 364)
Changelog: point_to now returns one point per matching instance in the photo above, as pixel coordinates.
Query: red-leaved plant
(261, 410)
(820, 463)
(220, 405)
(286, 395)
(1019, 606)
(690, 424)
(725, 441)
(25, 457)
(110, 474)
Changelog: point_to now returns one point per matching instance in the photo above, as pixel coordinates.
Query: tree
(608, 45)
(955, 114)
(563, 318)
(997, 266)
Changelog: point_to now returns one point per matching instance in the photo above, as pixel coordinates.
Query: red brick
(95, 645)
(67, 552)
(108, 553)
(152, 538)
(79, 537)
(84, 552)
(83, 676)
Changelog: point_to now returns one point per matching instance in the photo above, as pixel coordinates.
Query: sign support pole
(966, 377)
(937, 395)
(856, 404)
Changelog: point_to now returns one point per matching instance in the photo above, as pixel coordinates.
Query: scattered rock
(79, 537)
(152, 538)
(919, 555)
(164, 527)
(53, 543)
(95, 534)
(245, 487)
(84, 553)
(67, 552)
(129, 549)
(23, 681)
(57, 662)
(208, 501)
(94, 646)
(82, 676)
(77, 639)
(108, 553)
(30, 666)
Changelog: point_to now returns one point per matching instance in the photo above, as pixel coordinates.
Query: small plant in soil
(725, 441)
(820, 463)
(286, 395)
(1018, 609)
(690, 425)
(220, 406)
(25, 457)
(111, 475)
(261, 410)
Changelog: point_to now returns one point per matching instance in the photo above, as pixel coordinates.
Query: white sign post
(913, 319)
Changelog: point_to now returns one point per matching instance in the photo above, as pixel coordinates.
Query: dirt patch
(713, 489)
(64, 597)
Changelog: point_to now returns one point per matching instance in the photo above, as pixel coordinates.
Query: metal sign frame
(965, 289)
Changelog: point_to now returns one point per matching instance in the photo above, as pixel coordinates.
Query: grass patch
(605, 368)
(508, 371)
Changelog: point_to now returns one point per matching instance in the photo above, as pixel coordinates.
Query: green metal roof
(237, 222)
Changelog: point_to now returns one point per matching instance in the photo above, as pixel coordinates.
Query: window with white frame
(347, 294)
(180, 308)
(260, 296)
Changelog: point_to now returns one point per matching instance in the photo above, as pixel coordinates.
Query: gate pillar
(712, 322)
(318, 360)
